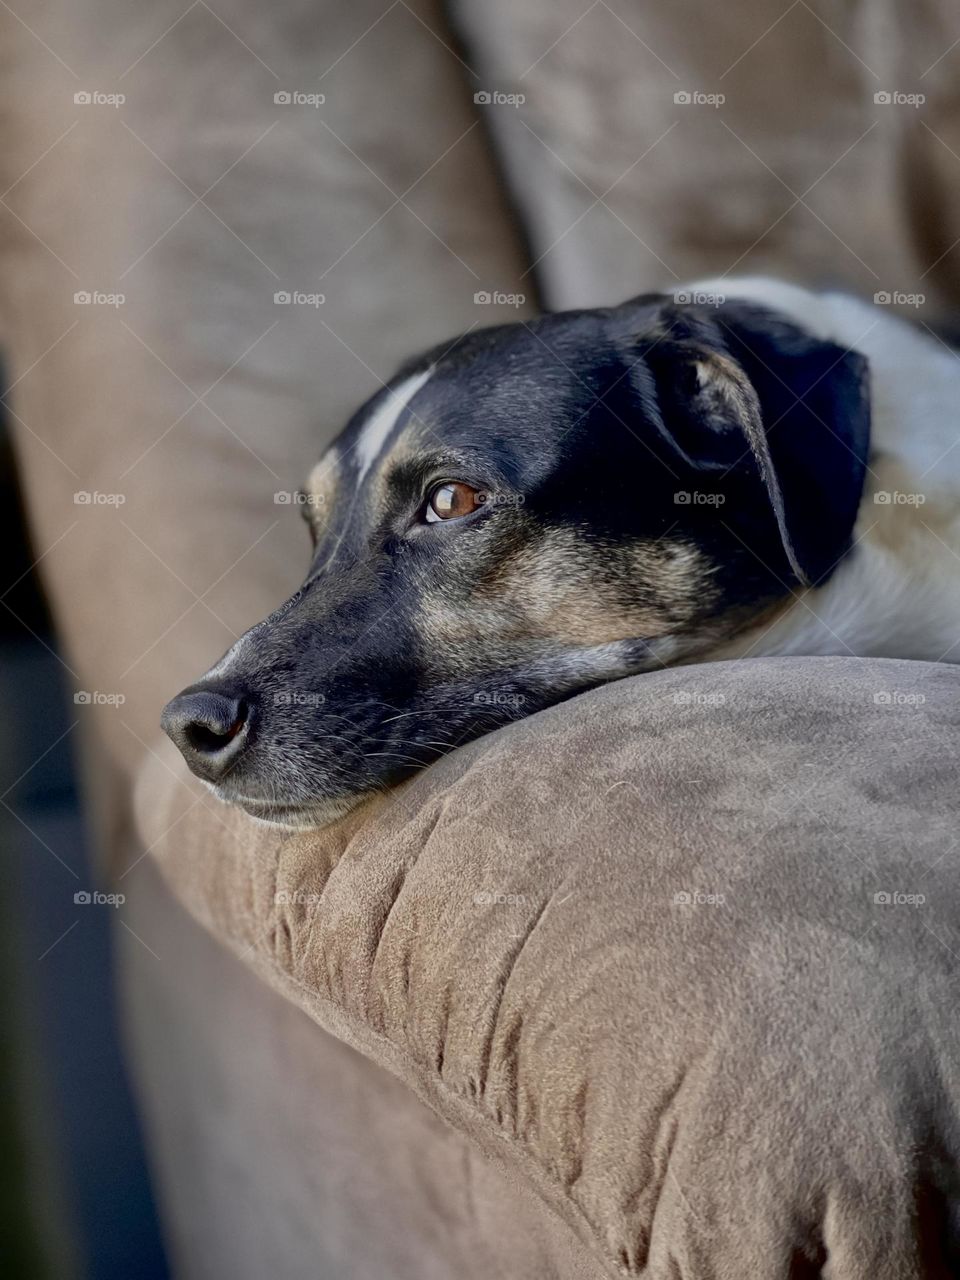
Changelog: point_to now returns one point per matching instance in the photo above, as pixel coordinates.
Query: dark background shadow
(75, 1197)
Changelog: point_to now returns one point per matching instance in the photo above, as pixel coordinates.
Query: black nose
(211, 729)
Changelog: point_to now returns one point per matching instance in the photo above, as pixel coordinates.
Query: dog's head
(534, 510)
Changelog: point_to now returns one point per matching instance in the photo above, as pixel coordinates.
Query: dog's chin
(293, 816)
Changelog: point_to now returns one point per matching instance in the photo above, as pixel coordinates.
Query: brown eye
(452, 500)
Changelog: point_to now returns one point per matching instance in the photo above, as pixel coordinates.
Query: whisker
(392, 755)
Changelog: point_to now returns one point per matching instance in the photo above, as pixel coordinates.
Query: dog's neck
(896, 593)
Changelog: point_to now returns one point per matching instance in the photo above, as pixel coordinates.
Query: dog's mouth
(289, 815)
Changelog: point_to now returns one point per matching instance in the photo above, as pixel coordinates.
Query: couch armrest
(637, 947)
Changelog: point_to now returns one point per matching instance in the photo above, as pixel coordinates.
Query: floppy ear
(741, 387)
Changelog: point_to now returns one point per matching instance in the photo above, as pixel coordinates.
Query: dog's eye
(451, 501)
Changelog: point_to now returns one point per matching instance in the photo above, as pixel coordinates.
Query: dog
(542, 507)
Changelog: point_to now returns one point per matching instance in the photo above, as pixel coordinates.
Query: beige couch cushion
(279, 1151)
(798, 173)
(633, 947)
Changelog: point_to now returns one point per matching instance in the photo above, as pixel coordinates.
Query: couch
(659, 982)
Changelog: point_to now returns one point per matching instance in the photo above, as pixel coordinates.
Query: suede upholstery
(632, 946)
(618, 182)
(491, 1041)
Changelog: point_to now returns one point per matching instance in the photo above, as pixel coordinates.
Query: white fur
(897, 594)
(376, 431)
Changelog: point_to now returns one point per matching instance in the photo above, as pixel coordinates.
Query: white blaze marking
(377, 430)
(373, 437)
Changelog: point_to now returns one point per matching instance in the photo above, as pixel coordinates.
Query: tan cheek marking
(590, 597)
(557, 588)
(562, 591)
(376, 494)
(678, 575)
(322, 486)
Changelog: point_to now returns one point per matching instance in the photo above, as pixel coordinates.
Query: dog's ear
(739, 387)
